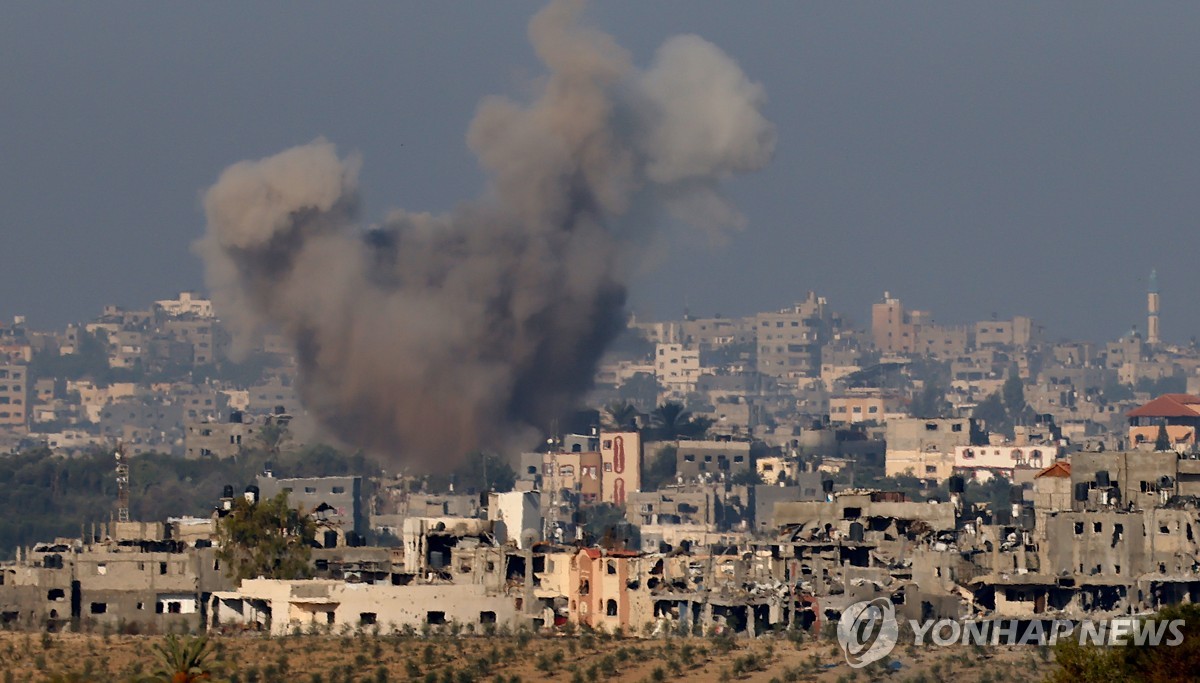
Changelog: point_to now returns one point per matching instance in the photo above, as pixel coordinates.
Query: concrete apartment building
(218, 439)
(153, 575)
(925, 448)
(857, 406)
(337, 502)
(14, 397)
(789, 341)
(987, 461)
(187, 303)
(206, 339)
(621, 465)
(711, 333)
(274, 394)
(677, 368)
(711, 459)
(942, 342)
(1017, 332)
(893, 328)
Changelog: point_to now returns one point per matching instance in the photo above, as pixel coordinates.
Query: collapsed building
(1100, 535)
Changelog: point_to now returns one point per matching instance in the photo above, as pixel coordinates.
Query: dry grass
(366, 658)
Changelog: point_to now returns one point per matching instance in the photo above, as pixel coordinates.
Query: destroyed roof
(1169, 405)
(1058, 469)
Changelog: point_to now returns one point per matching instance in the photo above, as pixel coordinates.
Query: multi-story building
(14, 397)
(789, 341)
(677, 368)
(697, 459)
(621, 459)
(338, 502)
(222, 440)
(1177, 414)
(1017, 332)
(893, 328)
(188, 303)
(857, 406)
(925, 448)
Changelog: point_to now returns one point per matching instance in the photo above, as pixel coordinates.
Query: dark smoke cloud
(431, 335)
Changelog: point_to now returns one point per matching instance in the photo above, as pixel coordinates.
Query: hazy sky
(971, 158)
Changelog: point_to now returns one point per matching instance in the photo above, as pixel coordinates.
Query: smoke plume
(432, 335)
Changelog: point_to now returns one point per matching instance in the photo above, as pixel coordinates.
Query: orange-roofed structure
(1179, 413)
(1061, 468)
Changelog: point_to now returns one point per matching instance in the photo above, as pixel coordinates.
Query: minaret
(1152, 309)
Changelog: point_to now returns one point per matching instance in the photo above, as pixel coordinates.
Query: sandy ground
(364, 658)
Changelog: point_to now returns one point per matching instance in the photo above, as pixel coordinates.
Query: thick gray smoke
(430, 336)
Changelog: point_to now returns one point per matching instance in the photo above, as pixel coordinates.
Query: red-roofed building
(1180, 413)
(1062, 468)
(1051, 491)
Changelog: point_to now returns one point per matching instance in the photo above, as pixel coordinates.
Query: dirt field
(363, 658)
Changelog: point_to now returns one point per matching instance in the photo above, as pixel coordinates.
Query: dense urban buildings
(934, 461)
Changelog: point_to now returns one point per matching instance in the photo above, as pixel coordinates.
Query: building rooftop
(1169, 405)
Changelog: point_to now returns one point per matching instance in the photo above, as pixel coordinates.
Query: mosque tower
(1152, 309)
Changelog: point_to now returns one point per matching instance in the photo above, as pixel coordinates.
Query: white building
(284, 606)
(521, 512)
(187, 303)
(677, 369)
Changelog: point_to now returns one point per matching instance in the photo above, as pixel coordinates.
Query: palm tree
(671, 421)
(620, 415)
(182, 661)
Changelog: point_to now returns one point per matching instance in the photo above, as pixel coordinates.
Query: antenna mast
(122, 483)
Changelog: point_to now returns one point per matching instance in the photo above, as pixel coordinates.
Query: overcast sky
(971, 158)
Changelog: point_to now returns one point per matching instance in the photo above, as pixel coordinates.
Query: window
(432, 618)
(931, 469)
(162, 567)
(101, 569)
(610, 608)
(1097, 527)
(931, 426)
(99, 607)
(566, 471)
(310, 489)
(367, 618)
(56, 594)
(612, 567)
(1078, 528)
(487, 617)
(338, 489)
